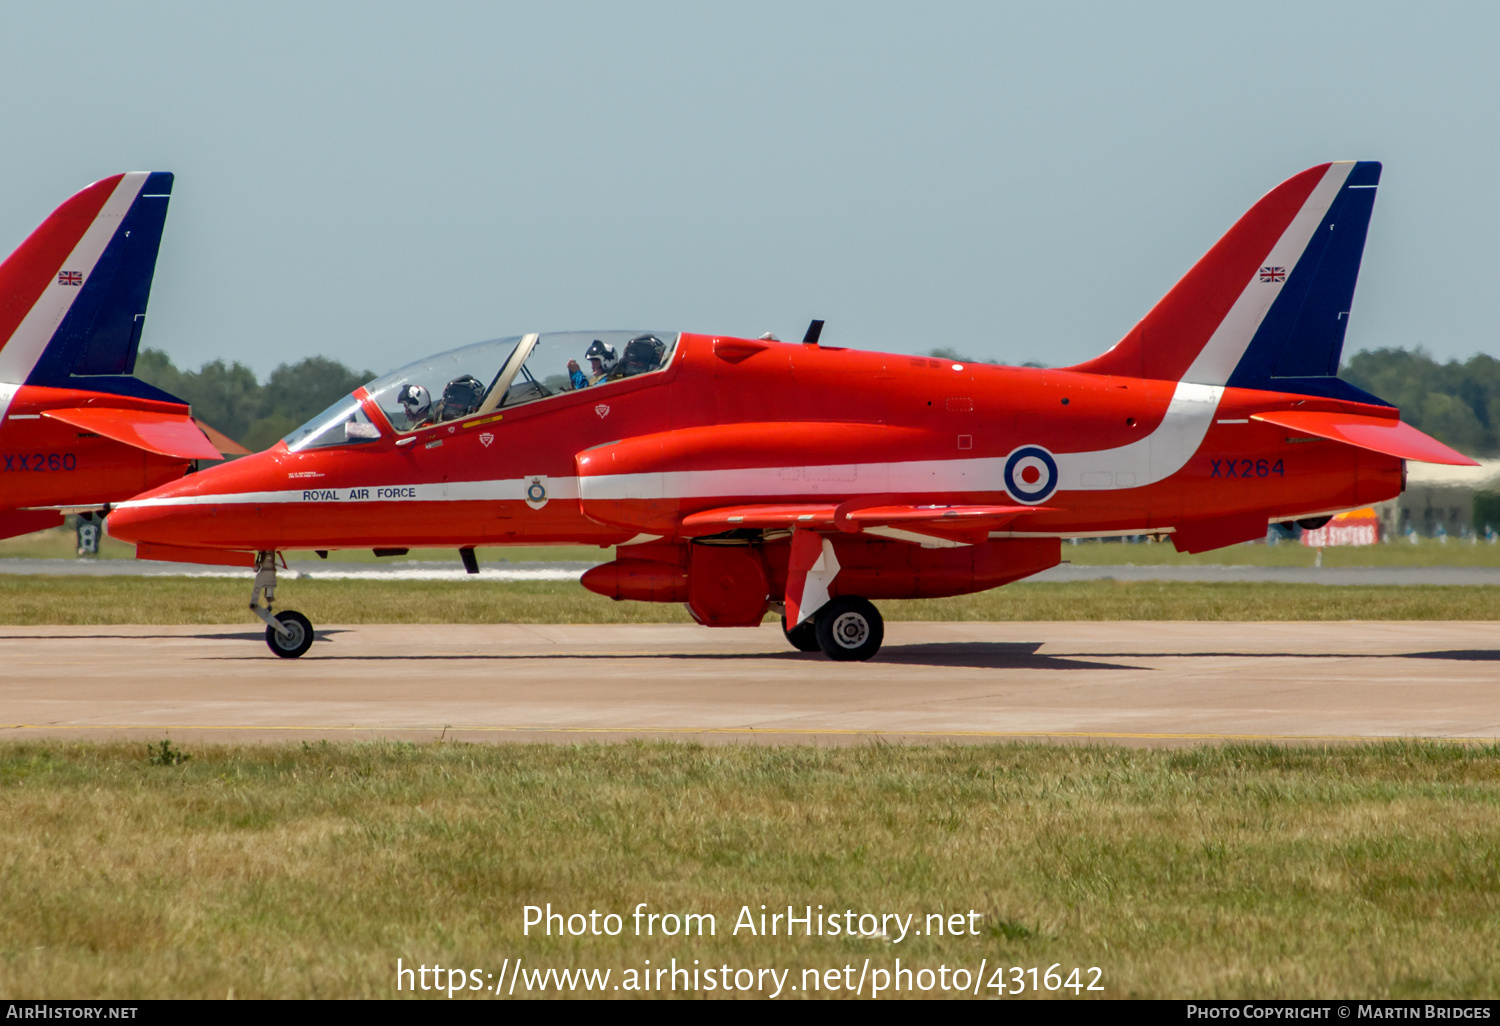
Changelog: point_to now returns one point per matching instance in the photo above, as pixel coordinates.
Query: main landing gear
(803, 637)
(847, 629)
(288, 633)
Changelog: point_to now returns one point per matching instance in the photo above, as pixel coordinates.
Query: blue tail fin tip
(101, 333)
(1301, 339)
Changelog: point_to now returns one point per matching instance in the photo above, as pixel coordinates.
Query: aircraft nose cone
(154, 516)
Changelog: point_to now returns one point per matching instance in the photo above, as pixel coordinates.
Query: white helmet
(416, 400)
(604, 353)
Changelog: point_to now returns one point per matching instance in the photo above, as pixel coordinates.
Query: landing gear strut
(289, 634)
(849, 629)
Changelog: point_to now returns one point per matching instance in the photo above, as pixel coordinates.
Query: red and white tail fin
(72, 295)
(1268, 305)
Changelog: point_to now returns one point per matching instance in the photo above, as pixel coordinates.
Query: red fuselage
(732, 421)
(45, 461)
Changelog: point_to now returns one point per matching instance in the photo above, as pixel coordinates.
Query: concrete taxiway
(1137, 683)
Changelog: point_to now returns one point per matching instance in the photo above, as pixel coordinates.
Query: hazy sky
(376, 182)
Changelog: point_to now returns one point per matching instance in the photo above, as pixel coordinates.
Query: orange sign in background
(1357, 527)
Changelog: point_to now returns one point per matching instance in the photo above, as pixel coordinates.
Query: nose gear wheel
(298, 639)
(289, 634)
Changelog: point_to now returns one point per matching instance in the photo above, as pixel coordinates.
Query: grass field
(1426, 552)
(281, 871)
(43, 600)
(59, 544)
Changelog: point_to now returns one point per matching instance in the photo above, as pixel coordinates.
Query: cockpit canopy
(489, 376)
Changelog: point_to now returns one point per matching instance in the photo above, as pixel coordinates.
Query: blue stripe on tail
(101, 333)
(1299, 343)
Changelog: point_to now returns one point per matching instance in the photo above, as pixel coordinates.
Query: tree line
(229, 398)
(1457, 403)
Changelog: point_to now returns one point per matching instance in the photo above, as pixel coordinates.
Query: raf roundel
(1030, 474)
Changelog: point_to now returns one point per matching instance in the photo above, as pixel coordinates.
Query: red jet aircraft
(743, 476)
(76, 430)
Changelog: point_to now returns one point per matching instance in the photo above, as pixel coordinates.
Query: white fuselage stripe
(502, 490)
(1151, 459)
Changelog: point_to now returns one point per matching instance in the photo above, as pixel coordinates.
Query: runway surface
(1135, 683)
(419, 570)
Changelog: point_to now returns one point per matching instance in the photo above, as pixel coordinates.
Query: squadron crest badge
(536, 492)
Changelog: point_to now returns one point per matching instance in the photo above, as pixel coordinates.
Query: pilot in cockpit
(576, 378)
(417, 402)
(602, 360)
(642, 354)
(461, 397)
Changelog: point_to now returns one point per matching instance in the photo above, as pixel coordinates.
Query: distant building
(1444, 497)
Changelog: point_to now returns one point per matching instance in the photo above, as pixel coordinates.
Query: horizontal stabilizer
(226, 445)
(166, 434)
(1378, 434)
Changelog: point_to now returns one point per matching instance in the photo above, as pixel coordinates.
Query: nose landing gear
(289, 634)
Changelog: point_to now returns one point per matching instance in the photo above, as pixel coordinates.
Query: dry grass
(46, 600)
(305, 872)
(1424, 552)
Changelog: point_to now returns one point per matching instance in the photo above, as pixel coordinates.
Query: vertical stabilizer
(1267, 307)
(73, 296)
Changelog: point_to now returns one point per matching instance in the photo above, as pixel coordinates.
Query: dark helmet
(643, 353)
(462, 396)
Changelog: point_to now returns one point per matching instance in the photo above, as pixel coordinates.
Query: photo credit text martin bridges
(746, 476)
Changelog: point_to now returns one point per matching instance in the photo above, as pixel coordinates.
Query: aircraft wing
(963, 525)
(764, 516)
(933, 516)
(166, 434)
(1378, 434)
(922, 524)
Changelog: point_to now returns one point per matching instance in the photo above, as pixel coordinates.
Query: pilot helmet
(415, 400)
(643, 353)
(603, 352)
(462, 396)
